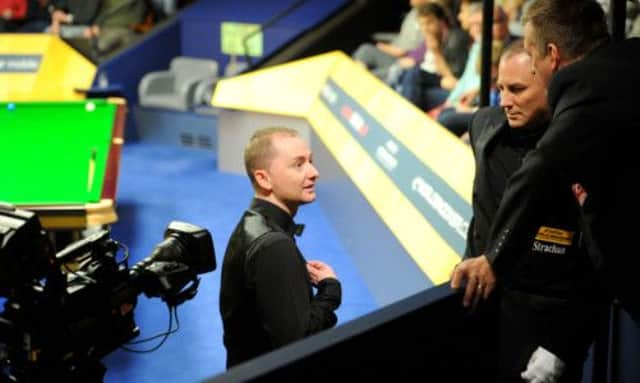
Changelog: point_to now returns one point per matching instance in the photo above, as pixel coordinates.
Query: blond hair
(259, 150)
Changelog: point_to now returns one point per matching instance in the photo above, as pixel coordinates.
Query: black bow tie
(296, 229)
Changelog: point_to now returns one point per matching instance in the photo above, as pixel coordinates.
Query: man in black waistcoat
(267, 294)
(589, 148)
(550, 301)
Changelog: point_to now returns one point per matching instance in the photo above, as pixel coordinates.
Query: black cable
(173, 312)
(268, 24)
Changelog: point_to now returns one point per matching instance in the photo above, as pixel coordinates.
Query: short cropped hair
(514, 48)
(259, 150)
(575, 26)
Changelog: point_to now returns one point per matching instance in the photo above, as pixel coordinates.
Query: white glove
(543, 367)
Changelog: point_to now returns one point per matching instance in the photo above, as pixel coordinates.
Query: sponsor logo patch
(553, 235)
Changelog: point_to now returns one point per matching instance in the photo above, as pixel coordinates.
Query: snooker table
(60, 159)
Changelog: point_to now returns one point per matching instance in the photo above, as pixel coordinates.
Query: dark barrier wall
(426, 336)
(625, 348)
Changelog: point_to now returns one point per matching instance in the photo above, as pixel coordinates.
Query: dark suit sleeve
(470, 250)
(570, 151)
(286, 306)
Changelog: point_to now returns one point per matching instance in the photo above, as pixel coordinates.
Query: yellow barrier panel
(41, 67)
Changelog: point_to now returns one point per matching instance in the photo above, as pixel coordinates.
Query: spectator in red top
(10, 12)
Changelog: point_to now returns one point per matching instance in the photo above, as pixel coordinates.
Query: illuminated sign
(233, 36)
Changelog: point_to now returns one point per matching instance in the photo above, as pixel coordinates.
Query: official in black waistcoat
(551, 302)
(590, 147)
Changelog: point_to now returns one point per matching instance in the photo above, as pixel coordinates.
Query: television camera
(64, 311)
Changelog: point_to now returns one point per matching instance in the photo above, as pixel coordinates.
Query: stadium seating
(176, 88)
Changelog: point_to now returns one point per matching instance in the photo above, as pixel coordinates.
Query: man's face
(523, 95)
(540, 61)
(291, 171)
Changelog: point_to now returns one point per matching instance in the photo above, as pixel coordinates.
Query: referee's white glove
(543, 367)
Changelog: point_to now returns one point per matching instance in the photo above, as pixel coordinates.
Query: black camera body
(64, 312)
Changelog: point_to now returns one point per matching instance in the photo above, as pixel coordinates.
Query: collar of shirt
(277, 216)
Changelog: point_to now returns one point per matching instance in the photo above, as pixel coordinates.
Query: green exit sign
(232, 36)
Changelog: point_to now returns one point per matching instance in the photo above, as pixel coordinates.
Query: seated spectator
(456, 117)
(500, 30)
(469, 82)
(11, 13)
(434, 96)
(415, 56)
(514, 10)
(464, 13)
(379, 57)
(445, 53)
(114, 25)
(72, 13)
(38, 17)
(97, 27)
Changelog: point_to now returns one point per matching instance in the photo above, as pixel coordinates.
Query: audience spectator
(72, 12)
(464, 12)
(470, 79)
(379, 57)
(11, 12)
(38, 17)
(444, 54)
(515, 9)
(457, 117)
(114, 25)
(469, 82)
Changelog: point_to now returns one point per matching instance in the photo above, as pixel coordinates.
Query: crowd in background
(98, 27)
(434, 59)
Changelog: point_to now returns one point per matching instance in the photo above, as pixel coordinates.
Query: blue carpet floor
(158, 184)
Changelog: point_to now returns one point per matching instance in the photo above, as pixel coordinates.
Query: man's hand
(318, 271)
(478, 276)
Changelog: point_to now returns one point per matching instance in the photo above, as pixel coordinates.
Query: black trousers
(565, 327)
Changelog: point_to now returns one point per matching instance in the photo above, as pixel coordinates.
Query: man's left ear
(262, 179)
(554, 55)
